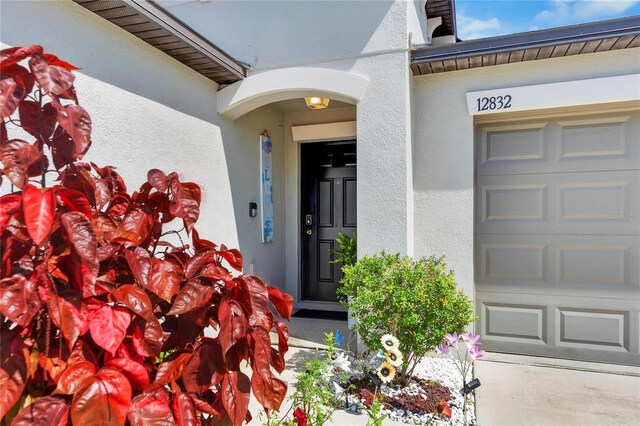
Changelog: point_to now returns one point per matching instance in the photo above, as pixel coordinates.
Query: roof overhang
(530, 46)
(159, 28)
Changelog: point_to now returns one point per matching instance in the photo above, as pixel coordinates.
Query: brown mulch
(364, 389)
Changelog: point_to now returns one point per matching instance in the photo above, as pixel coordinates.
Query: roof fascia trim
(530, 40)
(166, 20)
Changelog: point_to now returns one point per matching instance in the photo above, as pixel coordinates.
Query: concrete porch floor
(516, 390)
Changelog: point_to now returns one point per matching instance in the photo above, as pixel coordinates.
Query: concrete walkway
(516, 390)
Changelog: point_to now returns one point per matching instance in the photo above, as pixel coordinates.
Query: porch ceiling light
(317, 103)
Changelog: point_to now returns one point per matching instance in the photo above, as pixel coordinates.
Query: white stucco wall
(282, 33)
(373, 46)
(443, 144)
(150, 111)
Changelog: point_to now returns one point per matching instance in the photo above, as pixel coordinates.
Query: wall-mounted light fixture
(253, 210)
(317, 103)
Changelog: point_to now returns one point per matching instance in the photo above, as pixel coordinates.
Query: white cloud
(471, 28)
(563, 12)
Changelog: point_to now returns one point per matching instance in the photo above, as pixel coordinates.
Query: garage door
(557, 235)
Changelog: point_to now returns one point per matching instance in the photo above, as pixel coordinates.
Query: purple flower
(452, 339)
(476, 353)
(471, 339)
(443, 349)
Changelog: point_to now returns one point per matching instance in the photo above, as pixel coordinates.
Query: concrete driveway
(521, 390)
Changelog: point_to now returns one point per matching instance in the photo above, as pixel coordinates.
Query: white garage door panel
(572, 203)
(568, 144)
(598, 265)
(557, 236)
(561, 326)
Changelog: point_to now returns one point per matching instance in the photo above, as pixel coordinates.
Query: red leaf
(184, 410)
(54, 60)
(200, 244)
(105, 401)
(80, 232)
(283, 345)
(135, 372)
(76, 122)
(51, 78)
(9, 96)
(39, 211)
(74, 378)
(19, 299)
(172, 369)
(3, 133)
(134, 298)
(139, 261)
(268, 390)
(282, 302)
(185, 203)
(236, 388)
(205, 368)
(66, 313)
(16, 84)
(108, 326)
(62, 149)
(74, 201)
(119, 205)
(13, 369)
(233, 256)
(13, 55)
(151, 409)
(47, 411)
(259, 295)
(165, 279)
(39, 122)
(10, 206)
(158, 179)
(233, 324)
(198, 261)
(192, 296)
(17, 155)
(137, 222)
(147, 337)
(103, 193)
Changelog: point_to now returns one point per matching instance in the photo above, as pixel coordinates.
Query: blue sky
(486, 18)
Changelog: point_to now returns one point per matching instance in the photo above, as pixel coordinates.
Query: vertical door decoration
(266, 188)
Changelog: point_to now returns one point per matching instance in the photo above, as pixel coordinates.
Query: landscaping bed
(436, 380)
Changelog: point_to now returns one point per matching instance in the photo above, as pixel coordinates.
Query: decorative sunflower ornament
(394, 357)
(386, 372)
(389, 342)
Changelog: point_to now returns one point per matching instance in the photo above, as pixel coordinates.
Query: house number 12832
(494, 103)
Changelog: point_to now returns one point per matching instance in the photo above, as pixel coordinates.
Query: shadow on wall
(108, 53)
(241, 146)
(149, 110)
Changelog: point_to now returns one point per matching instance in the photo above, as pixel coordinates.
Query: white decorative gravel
(441, 370)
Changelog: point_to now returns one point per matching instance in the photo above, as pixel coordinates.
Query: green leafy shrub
(415, 300)
(347, 254)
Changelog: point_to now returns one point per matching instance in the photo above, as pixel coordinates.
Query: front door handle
(309, 232)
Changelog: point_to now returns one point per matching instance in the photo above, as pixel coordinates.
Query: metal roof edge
(529, 40)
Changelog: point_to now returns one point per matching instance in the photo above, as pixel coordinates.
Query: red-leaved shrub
(102, 319)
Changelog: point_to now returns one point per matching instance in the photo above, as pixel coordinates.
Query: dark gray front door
(328, 207)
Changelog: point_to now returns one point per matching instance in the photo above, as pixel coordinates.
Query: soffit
(160, 29)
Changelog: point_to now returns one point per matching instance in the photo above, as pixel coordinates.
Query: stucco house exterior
(516, 157)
